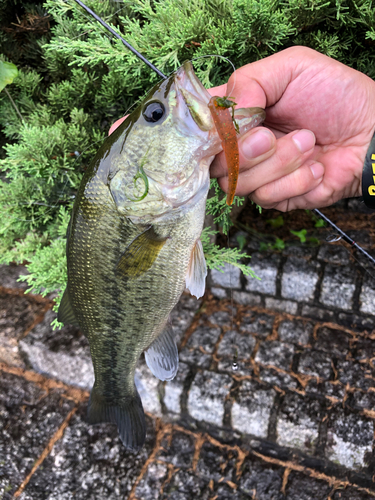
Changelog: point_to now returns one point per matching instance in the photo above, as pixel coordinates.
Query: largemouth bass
(133, 242)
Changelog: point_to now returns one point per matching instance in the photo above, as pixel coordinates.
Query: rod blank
(127, 45)
(345, 237)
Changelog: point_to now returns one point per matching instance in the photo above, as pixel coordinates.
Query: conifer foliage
(74, 80)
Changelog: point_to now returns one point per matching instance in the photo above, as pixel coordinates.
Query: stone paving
(294, 422)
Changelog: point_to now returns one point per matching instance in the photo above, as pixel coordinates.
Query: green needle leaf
(8, 72)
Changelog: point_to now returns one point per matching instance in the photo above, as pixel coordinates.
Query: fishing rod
(344, 236)
(119, 37)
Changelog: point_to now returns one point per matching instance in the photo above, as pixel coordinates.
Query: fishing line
(233, 342)
(225, 59)
(341, 235)
(220, 57)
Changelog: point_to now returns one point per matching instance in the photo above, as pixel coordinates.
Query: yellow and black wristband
(368, 176)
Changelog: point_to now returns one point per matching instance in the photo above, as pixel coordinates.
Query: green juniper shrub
(74, 80)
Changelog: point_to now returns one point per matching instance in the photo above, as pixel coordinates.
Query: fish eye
(153, 111)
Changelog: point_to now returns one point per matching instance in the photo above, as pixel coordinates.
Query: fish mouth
(195, 96)
(187, 79)
(194, 118)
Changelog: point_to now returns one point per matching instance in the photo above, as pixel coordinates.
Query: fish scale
(115, 306)
(126, 327)
(130, 256)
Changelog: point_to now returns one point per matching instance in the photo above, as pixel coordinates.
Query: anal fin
(66, 314)
(197, 271)
(162, 355)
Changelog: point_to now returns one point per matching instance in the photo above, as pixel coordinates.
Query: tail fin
(129, 417)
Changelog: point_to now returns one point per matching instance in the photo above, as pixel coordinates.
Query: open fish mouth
(195, 96)
(182, 187)
(188, 80)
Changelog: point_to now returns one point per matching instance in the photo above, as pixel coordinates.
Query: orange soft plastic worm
(222, 117)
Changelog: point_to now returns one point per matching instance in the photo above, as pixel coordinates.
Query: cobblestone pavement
(295, 422)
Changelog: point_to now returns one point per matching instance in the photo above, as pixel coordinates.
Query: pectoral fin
(162, 355)
(66, 314)
(140, 254)
(197, 272)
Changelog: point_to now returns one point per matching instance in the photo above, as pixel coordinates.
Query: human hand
(305, 94)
